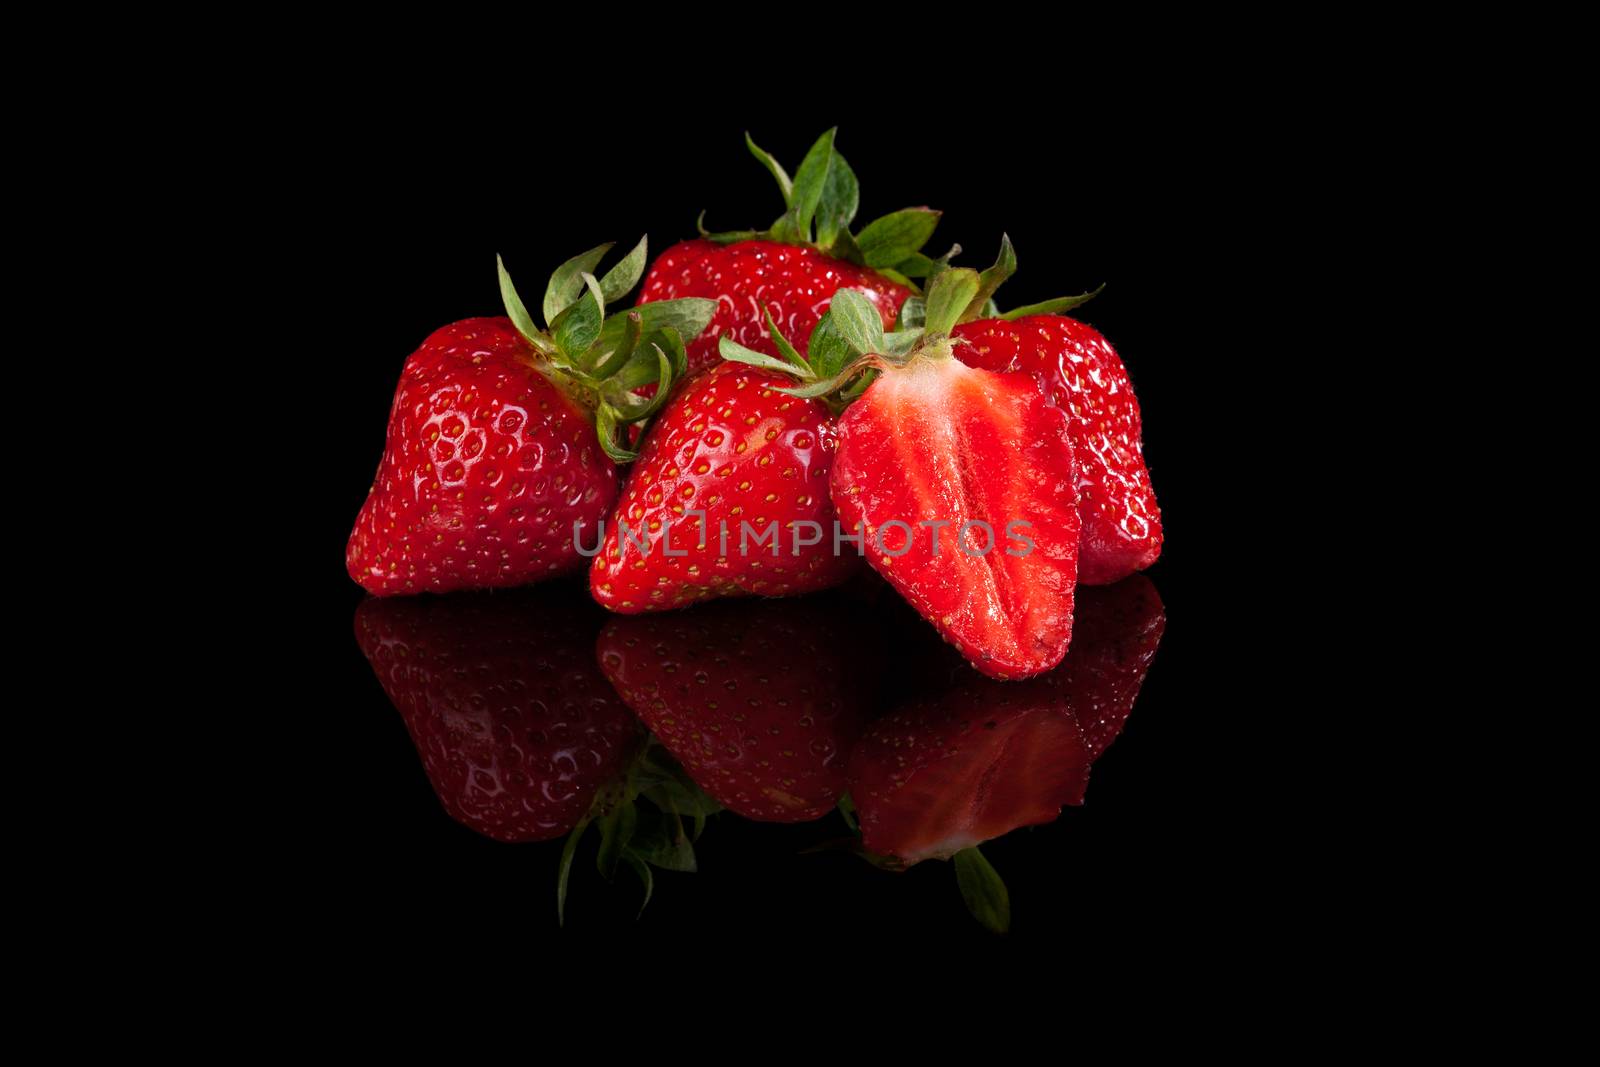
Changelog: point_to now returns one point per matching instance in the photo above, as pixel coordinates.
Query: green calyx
(981, 304)
(849, 345)
(642, 837)
(599, 360)
(820, 204)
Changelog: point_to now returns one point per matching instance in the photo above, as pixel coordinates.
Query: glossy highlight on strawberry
(732, 448)
(486, 471)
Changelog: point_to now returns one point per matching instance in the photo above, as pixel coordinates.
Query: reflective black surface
(480, 728)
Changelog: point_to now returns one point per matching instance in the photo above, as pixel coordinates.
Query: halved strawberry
(960, 481)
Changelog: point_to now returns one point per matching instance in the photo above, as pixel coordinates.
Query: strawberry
(503, 438)
(516, 727)
(760, 702)
(796, 265)
(729, 498)
(960, 482)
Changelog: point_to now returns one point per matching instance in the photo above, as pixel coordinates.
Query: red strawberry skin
(940, 441)
(487, 467)
(1085, 378)
(731, 445)
(748, 276)
(516, 727)
(759, 701)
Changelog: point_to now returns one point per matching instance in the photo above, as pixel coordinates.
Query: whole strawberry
(959, 482)
(516, 728)
(493, 470)
(729, 497)
(760, 702)
(796, 265)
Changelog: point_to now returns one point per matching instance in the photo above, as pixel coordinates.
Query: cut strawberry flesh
(937, 441)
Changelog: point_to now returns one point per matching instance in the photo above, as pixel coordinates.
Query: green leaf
(983, 890)
(862, 384)
(847, 810)
(912, 314)
(896, 277)
(1050, 307)
(900, 342)
(566, 283)
(727, 237)
(841, 196)
(774, 168)
(823, 388)
(857, 320)
(735, 352)
(651, 363)
(1005, 265)
(578, 327)
(809, 181)
(668, 338)
(844, 247)
(563, 872)
(633, 329)
(685, 799)
(626, 274)
(514, 305)
(616, 830)
(785, 349)
(948, 297)
(828, 349)
(891, 240)
(918, 265)
(666, 845)
(688, 316)
(642, 869)
(608, 427)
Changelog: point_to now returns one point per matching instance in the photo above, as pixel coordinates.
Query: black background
(1182, 830)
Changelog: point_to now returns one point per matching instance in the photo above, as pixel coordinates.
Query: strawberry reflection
(516, 727)
(978, 758)
(760, 701)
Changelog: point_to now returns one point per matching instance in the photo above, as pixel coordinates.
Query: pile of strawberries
(779, 413)
(776, 407)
